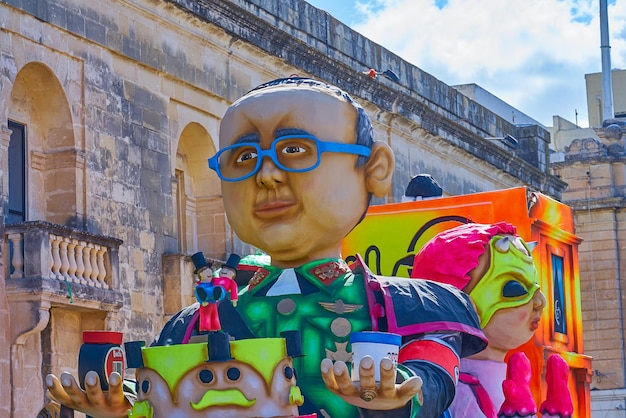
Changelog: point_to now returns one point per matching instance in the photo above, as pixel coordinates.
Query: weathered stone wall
(5, 335)
(602, 287)
(595, 170)
(141, 85)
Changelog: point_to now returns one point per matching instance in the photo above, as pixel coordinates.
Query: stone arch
(201, 223)
(54, 163)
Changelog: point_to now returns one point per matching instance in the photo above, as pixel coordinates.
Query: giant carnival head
(297, 159)
(242, 378)
(492, 264)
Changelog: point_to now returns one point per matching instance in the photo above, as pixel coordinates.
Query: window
(181, 208)
(558, 290)
(17, 174)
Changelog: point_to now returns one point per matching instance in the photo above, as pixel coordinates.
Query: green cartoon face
(510, 281)
(261, 383)
(507, 297)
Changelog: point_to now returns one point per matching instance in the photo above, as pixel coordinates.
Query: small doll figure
(207, 293)
(226, 278)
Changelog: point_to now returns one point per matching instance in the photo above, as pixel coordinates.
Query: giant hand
(93, 400)
(367, 394)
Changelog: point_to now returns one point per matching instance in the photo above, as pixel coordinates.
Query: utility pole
(607, 82)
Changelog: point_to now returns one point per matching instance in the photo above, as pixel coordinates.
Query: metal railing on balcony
(50, 251)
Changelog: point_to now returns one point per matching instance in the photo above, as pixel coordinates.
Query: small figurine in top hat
(226, 277)
(207, 293)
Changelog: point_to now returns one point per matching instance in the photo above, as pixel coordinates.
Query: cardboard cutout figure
(493, 265)
(298, 166)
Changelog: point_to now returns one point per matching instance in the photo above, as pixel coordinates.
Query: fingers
(342, 377)
(69, 383)
(92, 401)
(387, 378)
(56, 390)
(94, 391)
(337, 378)
(410, 388)
(367, 372)
(78, 398)
(116, 390)
(328, 375)
(367, 392)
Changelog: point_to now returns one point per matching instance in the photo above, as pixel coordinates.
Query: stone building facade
(594, 166)
(110, 110)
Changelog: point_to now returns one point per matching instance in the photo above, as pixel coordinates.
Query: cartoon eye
(513, 289)
(289, 372)
(246, 155)
(145, 386)
(233, 373)
(293, 149)
(206, 376)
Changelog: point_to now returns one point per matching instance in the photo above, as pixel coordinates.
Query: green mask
(510, 281)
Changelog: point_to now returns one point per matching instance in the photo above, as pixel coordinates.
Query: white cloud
(533, 54)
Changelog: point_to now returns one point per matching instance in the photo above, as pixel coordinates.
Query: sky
(532, 54)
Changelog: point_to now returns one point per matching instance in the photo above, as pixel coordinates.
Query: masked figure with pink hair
(492, 264)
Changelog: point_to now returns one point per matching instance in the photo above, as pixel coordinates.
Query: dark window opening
(16, 212)
(558, 288)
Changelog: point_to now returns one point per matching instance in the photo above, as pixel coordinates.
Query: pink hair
(450, 255)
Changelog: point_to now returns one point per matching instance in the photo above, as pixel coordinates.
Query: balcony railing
(50, 251)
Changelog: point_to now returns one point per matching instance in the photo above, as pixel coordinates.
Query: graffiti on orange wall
(390, 235)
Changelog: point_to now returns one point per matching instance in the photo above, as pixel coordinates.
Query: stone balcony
(53, 265)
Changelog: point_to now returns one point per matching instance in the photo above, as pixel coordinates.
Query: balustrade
(49, 251)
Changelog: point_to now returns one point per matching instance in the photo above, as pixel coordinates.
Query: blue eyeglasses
(292, 153)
